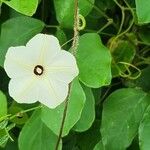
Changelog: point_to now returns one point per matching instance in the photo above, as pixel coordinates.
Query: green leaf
(3, 105)
(123, 51)
(65, 10)
(135, 144)
(36, 136)
(13, 13)
(99, 146)
(87, 140)
(144, 34)
(97, 95)
(94, 61)
(144, 131)
(142, 11)
(17, 31)
(3, 137)
(53, 117)
(26, 7)
(103, 5)
(142, 82)
(88, 113)
(11, 145)
(3, 124)
(122, 112)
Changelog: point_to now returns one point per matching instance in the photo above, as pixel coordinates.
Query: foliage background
(109, 101)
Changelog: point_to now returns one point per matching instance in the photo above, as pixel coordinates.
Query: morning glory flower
(40, 71)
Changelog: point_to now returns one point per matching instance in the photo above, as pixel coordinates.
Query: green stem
(52, 26)
(143, 43)
(117, 4)
(63, 119)
(110, 21)
(123, 16)
(66, 42)
(94, 31)
(25, 111)
(129, 8)
(145, 50)
(98, 10)
(74, 48)
(122, 20)
(101, 13)
(121, 34)
(143, 63)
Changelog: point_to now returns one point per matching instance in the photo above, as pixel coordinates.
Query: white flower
(40, 71)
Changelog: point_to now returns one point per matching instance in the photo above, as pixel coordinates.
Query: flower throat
(38, 70)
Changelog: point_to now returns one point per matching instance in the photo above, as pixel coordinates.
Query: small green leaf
(142, 11)
(3, 124)
(65, 10)
(88, 113)
(36, 136)
(53, 117)
(3, 105)
(94, 61)
(17, 31)
(26, 7)
(144, 131)
(3, 137)
(122, 112)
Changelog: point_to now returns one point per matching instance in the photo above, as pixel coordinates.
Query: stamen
(38, 70)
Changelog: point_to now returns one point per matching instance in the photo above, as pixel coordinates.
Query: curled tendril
(81, 22)
(129, 74)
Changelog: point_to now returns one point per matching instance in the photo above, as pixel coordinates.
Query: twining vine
(73, 51)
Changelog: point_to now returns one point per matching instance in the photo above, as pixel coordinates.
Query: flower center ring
(38, 70)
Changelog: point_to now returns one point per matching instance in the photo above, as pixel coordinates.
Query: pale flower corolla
(40, 71)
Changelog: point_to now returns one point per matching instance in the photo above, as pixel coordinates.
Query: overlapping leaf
(18, 31)
(53, 117)
(94, 61)
(122, 112)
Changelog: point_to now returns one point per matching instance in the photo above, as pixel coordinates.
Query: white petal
(24, 90)
(21, 60)
(30, 90)
(18, 62)
(47, 45)
(52, 93)
(63, 67)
